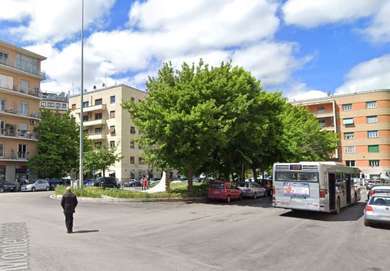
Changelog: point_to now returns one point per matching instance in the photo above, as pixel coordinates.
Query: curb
(105, 199)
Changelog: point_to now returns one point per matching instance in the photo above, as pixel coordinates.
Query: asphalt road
(249, 235)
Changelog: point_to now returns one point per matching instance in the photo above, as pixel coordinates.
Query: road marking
(14, 247)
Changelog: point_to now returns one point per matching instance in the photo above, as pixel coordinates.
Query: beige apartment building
(362, 122)
(20, 77)
(54, 102)
(108, 124)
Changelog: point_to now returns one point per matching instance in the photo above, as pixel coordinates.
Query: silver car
(377, 210)
(38, 185)
(252, 190)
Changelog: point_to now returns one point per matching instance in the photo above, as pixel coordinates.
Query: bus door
(348, 181)
(332, 190)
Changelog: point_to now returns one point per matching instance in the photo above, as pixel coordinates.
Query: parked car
(252, 190)
(377, 210)
(89, 182)
(8, 187)
(134, 183)
(379, 189)
(223, 190)
(106, 182)
(38, 185)
(54, 182)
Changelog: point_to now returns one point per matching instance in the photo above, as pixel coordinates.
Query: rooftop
(21, 50)
(106, 88)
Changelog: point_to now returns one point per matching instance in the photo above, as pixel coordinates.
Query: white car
(253, 190)
(38, 185)
(378, 189)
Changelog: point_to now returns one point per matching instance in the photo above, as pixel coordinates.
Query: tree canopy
(219, 120)
(100, 159)
(58, 146)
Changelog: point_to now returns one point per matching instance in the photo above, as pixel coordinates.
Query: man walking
(69, 203)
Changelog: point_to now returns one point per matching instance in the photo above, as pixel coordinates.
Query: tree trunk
(168, 180)
(189, 176)
(254, 173)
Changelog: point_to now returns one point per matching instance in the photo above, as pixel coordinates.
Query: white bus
(314, 186)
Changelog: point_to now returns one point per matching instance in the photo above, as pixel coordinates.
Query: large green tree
(58, 146)
(202, 119)
(101, 159)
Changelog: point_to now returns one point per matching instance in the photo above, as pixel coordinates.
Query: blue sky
(304, 48)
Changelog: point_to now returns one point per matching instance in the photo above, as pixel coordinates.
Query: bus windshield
(297, 176)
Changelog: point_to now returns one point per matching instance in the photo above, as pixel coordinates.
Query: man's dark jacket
(69, 202)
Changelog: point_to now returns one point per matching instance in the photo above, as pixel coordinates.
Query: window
(347, 107)
(2, 105)
(372, 119)
(112, 99)
(132, 160)
(141, 160)
(23, 109)
(27, 64)
(112, 114)
(85, 104)
(132, 130)
(112, 130)
(371, 105)
(112, 144)
(132, 99)
(350, 149)
(73, 106)
(373, 148)
(132, 144)
(98, 145)
(373, 163)
(3, 57)
(372, 134)
(322, 123)
(348, 122)
(98, 131)
(98, 116)
(6, 82)
(98, 101)
(85, 118)
(1, 150)
(321, 110)
(23, 87)
(348, 136)
(350, 163)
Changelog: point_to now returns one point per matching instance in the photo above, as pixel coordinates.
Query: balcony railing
(25, 134)
(7, 63)
(32, 91)
(14, 156)
(14, 111)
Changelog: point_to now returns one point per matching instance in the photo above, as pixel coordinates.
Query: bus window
(286, 176)
(297, 176)
(308, 176)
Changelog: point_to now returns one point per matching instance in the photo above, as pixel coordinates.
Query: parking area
(245, 235)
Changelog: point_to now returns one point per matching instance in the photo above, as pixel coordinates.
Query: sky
(306, 49)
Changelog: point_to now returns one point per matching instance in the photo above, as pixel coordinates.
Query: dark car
(54, 182)
(106, 182)
(89, 182)
(7, 186)
(134, 183)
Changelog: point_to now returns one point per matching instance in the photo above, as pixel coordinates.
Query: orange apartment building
(20, 77)
(362, 122)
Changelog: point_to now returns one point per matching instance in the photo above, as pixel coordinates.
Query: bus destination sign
(295, 167)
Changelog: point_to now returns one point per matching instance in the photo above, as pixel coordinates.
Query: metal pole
(80, 184)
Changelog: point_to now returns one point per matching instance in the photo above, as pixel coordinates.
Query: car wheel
(338, 208)
(1, 190)
(33, 189)
(228, 199)
(366, 223)
(255, 195)
(48, 188)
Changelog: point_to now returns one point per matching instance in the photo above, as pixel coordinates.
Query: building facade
(362, 122)
(20, 77)
(54, 102)
(108, 124)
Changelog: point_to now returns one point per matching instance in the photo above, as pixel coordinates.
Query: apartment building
(54, 102)
(362, 122)
(108, 124)
(20, 77)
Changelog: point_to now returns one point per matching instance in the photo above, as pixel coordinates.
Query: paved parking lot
(249, 235)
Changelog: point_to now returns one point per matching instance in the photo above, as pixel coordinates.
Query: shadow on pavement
(85, 231)
(351, 213)
(265, 202)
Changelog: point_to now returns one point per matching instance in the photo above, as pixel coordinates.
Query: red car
(222, 190)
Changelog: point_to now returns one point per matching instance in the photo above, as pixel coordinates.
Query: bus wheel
(338, 208)
(356, 198)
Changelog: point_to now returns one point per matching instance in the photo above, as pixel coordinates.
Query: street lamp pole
(81, 96)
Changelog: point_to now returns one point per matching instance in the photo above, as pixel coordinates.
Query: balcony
(32, 93)
(323, 114)
(329, 128)
(14, 112)
(96, 136)
(14, 156)
(91, 108)
(12, 67)
(23, 135)
(94, 122)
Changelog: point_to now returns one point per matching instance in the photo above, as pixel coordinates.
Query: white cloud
(314, 13)
(299, 91)
(379, 30)
(369, 75)
(49, 20)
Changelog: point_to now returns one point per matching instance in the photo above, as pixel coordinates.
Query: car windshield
(217, 185)
(380, 201)
(297, 176)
